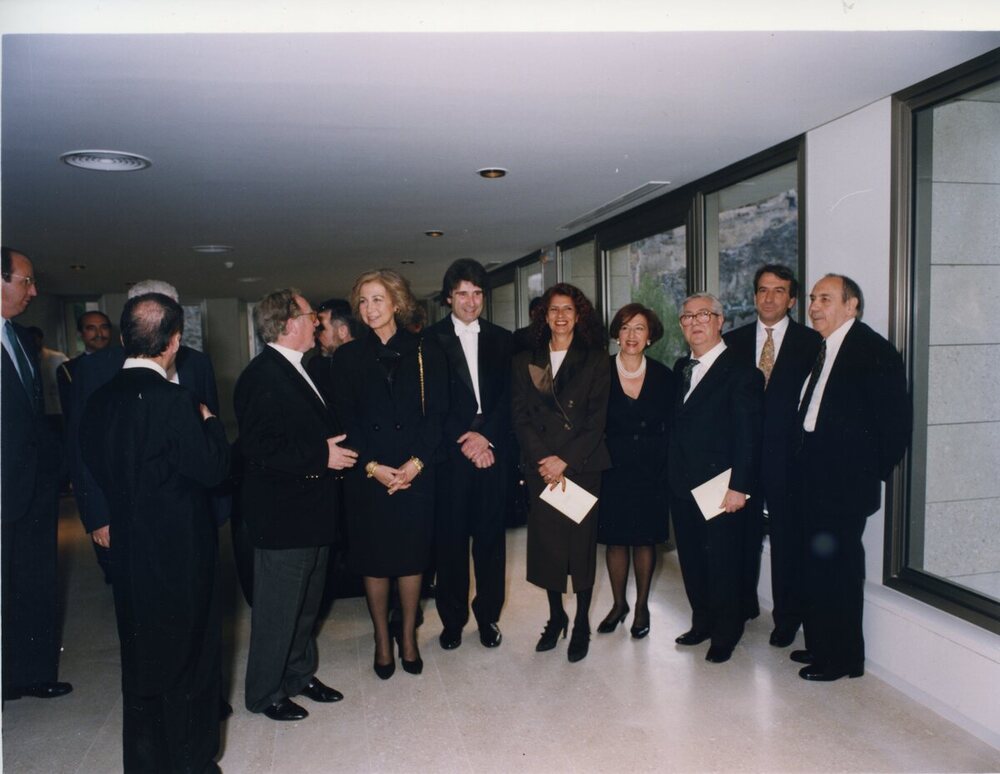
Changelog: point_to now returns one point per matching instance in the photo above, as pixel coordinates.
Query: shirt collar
(461, 327)
(293, 356)
(706, 360)
(835, 339)
(144, 362)
(778, 327)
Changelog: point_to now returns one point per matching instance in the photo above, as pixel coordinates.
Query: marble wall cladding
(963, 462)
(964, 304)
(960, 537)
(956, 206)
(967, 142)
(962, 383)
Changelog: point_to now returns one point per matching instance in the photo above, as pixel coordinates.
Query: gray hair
(273, 312)
(716, 303)
(153, 286)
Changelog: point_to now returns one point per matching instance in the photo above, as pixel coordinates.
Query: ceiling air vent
(106, 160)
(625, 200)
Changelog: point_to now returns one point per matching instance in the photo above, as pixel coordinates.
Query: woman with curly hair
(560, 398)
(390, 394)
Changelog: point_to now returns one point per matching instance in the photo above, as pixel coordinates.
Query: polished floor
(644, 705)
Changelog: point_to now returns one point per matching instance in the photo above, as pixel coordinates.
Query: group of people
(404, 440)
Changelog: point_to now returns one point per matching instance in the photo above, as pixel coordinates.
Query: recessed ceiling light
(78, 266)
(492, 173)
(434, 233)
(249, 279)
(212, 249)
(106, 160)
(407, 263)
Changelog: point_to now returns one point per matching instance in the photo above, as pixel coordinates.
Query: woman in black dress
(634, 498)
(390, 396)
(560, 396)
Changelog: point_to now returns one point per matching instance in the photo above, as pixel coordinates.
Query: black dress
(389, 418)
(634, 494)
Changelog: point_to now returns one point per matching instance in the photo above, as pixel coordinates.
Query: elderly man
(288, 440)
(855, 421)
(784, 352)
(717, 425)
(28, 511)
(155, 451)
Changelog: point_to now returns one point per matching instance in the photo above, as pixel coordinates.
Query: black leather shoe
(801, 656)
(783, 636)
(38, 691)
(692, 637)
(317, 691)
(579, 644)
(450, 638)
(824, 674)
(286, 709)
(611, 620)
(551, 632)
(718, 655)
(490, 635)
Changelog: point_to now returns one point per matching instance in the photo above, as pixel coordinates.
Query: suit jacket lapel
(456, 354)
(301, 384)
(716, 374)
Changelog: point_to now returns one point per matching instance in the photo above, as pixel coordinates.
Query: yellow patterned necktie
(767, 356)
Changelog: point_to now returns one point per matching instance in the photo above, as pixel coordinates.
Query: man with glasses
(28, 509)
(289, 442)
(716, 428)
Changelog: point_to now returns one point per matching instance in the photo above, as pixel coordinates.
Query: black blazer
(565, 417)
(30, 452)
(289, 496)
(781, 396)
(494, 383)
(863, 426)
(155, 458)
(718, 427)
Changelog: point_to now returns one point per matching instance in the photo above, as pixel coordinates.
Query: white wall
(946, 663)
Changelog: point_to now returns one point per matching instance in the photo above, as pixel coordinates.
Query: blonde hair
(398, 288)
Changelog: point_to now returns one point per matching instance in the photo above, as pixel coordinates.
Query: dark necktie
(688, 369)
(817, 369)
(23, 366)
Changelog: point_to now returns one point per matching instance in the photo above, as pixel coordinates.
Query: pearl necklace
(625, 373)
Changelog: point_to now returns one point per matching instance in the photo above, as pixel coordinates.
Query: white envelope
(710, 495)
(575, 502)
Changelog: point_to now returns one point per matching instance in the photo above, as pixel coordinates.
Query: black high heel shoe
(414, 667)
(550, 634)
(579, 644)
(385, 671)
(640, 626)
(611, 621)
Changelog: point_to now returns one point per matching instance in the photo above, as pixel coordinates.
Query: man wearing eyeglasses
(28, 509)
(289, 442)
(716, 428)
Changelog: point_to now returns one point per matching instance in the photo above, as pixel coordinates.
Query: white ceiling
(319, 156)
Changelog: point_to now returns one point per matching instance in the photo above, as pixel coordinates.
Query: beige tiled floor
(629, 706)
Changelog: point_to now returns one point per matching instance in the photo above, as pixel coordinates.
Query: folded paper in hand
(575, 502)
(710, 495)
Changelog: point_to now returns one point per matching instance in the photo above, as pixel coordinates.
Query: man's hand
(205, 411)
(340, 457)
(551, 470)
(102, 536)
(484, 460)
(473, 444)
(733, 501)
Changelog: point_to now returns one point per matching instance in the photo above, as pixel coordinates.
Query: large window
(945, 545)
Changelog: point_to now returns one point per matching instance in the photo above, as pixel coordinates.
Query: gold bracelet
(417, 464)
(370, 468)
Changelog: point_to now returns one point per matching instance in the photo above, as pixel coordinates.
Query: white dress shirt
(705, 362)
(777, 333)
(143, 362)
(833, 343)
(294, 357)
(10, 341)
(468, 335)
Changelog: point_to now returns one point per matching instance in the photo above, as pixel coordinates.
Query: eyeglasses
(26, 281)
(314, 316)
(702, 316)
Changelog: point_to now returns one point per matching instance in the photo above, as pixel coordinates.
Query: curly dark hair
(588, 325)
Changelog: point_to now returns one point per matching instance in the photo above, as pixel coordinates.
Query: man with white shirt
(716, 427)
(289, 442)
(784, 352)
(156, 451)
(854, 422)
(472, 483)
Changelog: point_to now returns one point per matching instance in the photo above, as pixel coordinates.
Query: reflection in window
(748, 225)
(652, 272)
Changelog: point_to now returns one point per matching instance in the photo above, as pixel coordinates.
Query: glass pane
(955, 492)
(579, 268)
(652, 272)
(747, 225)
(502, 308)
(532, 279)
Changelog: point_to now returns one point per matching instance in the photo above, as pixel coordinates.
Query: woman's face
(561, 315)
(633, 336)
(375, 306)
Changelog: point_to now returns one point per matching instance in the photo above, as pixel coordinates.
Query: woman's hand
(403, 476)
(385, 475)
(551, 469)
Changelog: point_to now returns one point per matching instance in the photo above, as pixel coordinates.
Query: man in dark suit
(28, 510)
(717, 425)
(95, 333)
(471, 484)
(855, 418)
(155, 451)
(337, 326)
(784, 352)
(288, 439)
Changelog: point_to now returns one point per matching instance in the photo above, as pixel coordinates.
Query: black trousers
(834, 573)
(30, 621)
(287, 591)
(471, 504)
(753, 544)
(785, 532)
(711, 555)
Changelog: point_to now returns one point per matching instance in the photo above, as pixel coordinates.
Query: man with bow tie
(472, 483)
